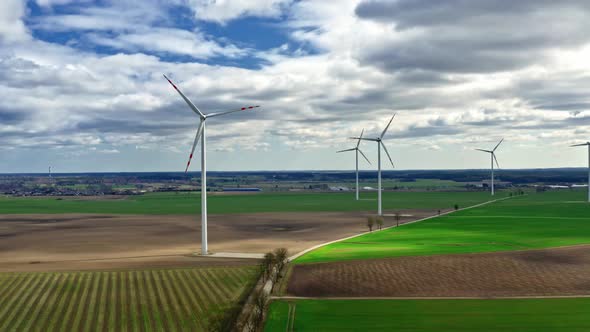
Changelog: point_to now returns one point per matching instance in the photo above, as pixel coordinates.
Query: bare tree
(268, 263)
(281, 255)
(370, 223)
(260, 299)
(379, 222)
(397, 217)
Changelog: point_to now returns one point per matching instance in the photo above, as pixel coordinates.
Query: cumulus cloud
(50, 3)
(221, 11)
(169, 41)
(473, 36)
(137, 27)
(12, 27)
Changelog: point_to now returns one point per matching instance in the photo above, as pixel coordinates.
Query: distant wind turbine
(357, 150)
(380, 145)
(587, 144)
(493, 158)
(201, 135)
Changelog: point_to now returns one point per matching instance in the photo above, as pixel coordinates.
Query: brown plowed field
(558, 271)
(56, 242)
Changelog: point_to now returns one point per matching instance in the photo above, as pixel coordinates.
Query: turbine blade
(488, 151)
(497, 145)
(496, 160)
(360, 137)
(365, 139)
(232, 111)
(367, 159)
(190, 157)
(188, 101)
(387, 152)
(346, 150)
(583, 144)
(385, 130)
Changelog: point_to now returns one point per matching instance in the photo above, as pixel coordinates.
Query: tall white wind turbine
(357, 150)
(201, 135)
(493, 158)
(380, 145)
(587, 144)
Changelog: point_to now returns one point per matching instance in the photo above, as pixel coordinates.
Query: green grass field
(526, 222)
(418, 184)
(189, 203)
(522, 315)
(143, 300)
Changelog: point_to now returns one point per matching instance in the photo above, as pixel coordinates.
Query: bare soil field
(81, 241)
(558, 271)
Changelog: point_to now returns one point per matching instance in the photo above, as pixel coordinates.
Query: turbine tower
(493, 158)
(380, 145)
(587, 144)
(357, 150)
(201, 135)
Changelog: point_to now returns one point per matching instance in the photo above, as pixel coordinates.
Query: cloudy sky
(81, 84)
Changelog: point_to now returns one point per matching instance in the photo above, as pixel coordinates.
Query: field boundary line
(524, 297)
(317, 246)
(289, 316)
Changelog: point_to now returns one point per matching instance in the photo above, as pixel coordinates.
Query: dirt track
(78, 241)
(559, 271)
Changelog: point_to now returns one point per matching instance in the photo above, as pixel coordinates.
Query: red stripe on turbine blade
(243, 108)
(174, 86)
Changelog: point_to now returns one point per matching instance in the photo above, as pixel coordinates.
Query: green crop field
(189, 203)
(417, 184)
(526, 222)
(143, 300)
(522, 315)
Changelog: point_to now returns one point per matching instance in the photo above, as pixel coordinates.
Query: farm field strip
(523, 315)
(535, 221)
(520, 217)
(544, 272)
(187, 203)
(301, 253)
(140, 300)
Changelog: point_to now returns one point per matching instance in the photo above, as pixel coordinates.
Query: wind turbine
(493, 158)
(201, 135)
(357, 150)
(588, 144)
(380, 144)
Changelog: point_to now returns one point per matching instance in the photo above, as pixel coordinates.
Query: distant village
(141, 183)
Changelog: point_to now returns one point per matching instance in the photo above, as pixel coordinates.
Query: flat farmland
(544, 272)
(134, 300)
(541, 220)
(65, 242)
(223, 203)
(522, 315)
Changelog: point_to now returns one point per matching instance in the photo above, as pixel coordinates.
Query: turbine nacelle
(357, 148)
(493, 152)
(378, 139)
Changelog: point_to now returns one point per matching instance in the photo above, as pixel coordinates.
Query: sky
(81, 85)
